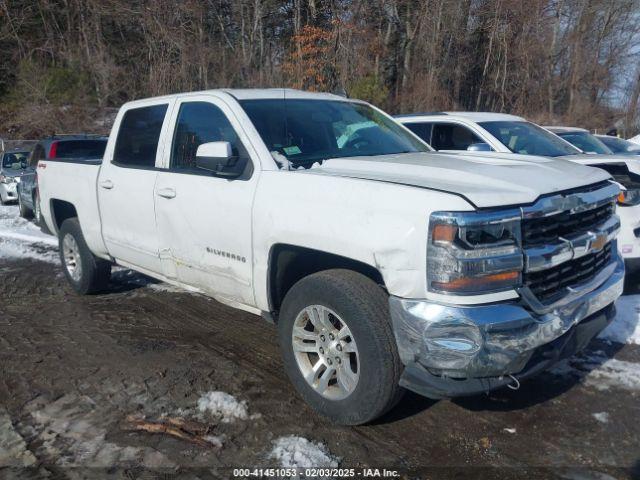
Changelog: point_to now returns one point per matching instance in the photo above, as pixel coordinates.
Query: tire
(359, 303)
(24, 211)
(37, 213)
(85, 272)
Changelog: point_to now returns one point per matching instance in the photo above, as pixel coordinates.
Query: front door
(126, 189)
(204, 221)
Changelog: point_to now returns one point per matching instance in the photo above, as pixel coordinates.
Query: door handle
(107, 184)
(166, 192)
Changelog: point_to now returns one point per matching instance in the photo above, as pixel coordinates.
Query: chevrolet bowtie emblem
(599, 242)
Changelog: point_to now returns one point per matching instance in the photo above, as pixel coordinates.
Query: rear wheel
(85, 272)
(37, 215)
(338, 346)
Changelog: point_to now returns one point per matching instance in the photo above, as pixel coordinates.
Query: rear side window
(423, 130)
(138, 137)
(452, 137)
(80, 149)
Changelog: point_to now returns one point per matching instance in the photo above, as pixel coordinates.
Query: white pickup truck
(384, 265)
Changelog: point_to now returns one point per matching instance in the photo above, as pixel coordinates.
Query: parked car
(635, 139)
(497, 134)
(12, 165)
(619, 146)
(80, 148)
(384, 265)
(582, 139)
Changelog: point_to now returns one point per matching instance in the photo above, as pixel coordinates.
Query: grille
(548, 285)
(538, 231)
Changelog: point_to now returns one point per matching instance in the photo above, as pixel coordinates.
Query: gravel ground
(72, 369)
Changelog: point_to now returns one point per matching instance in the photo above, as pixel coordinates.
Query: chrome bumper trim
(492, 340)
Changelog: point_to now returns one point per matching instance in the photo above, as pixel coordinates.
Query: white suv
(498, 134)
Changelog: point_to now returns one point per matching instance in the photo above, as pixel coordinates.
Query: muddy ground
(72, 368)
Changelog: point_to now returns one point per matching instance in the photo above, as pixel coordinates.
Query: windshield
(618, 145)
(307, 131)
(12, 158)
(586, 142)
(529, 139)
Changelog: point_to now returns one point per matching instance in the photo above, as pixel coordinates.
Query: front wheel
(338, 346)
(85, 272)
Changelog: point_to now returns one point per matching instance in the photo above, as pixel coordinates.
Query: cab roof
(558, 129)
(247, 94)
(471, 116)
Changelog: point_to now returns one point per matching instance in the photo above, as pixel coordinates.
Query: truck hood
(632, 163)
(489, 181)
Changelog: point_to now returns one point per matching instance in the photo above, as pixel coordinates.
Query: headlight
(474, 252)
(629, 198)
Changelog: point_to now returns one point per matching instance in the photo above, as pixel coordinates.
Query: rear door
(126, 187)
(204, 221)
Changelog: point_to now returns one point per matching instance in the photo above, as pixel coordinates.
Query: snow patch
(625, 328)
(20, 238)
(298, 452)
(214, 440)
(598, 371)
(223, 405)
(615, 373)
(602, 417)
(15, 250)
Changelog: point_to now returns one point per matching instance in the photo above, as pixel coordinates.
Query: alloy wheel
(72, 259)
(326, 352)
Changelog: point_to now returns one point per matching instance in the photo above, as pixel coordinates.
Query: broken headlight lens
(471, 253)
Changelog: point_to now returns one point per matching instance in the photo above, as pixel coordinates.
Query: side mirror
(479, 147)
(217, 157)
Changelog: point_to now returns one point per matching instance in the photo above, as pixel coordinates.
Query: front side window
(138, 136)
(198, 123)
(307, 131)
(528, 139)
(586, 142)
(449, 136)
(423, 130)
(618, 145)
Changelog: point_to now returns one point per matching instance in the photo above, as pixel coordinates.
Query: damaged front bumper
(452, 350)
